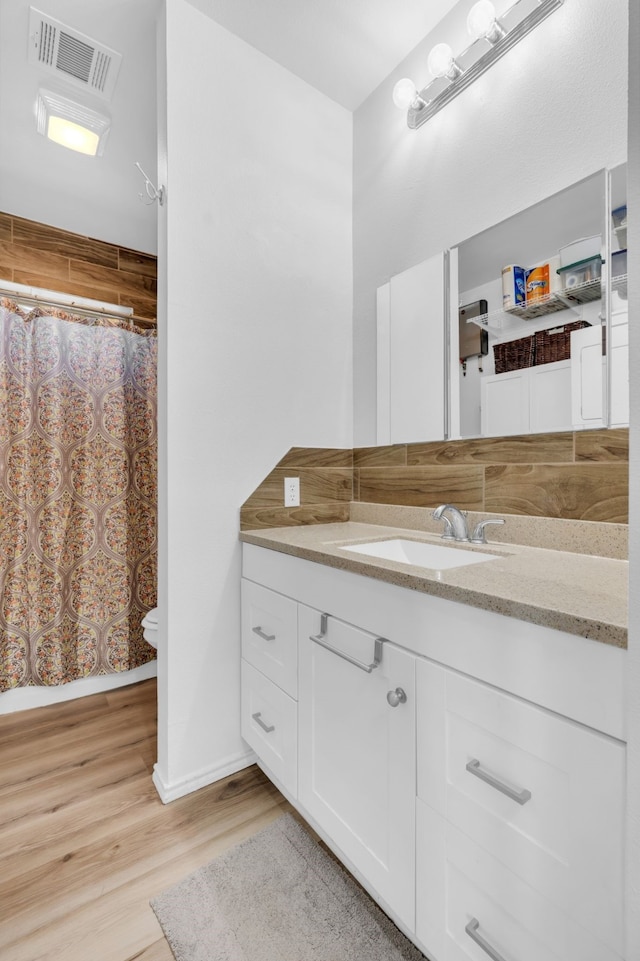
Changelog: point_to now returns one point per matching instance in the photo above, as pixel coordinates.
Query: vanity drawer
(270, 634)
(269, 724)
(541, 794)
(464, 894)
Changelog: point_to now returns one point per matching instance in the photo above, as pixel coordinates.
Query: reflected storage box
(579, 250)
(582, 272)
(618, 263)
(619, 220)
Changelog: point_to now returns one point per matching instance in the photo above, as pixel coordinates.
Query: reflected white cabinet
(588, 376)
(619, 396)
(410, 354)
(356, 741)
(534, 400)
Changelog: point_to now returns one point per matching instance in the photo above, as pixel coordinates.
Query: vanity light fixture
(492, 37)
(71, 124)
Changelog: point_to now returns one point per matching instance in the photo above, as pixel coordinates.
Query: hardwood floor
(86, 842)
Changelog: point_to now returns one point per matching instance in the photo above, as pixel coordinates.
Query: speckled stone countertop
(573, 592)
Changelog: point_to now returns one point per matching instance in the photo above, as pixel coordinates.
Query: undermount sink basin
(434, 556)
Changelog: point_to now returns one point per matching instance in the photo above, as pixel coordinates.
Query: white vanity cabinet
(467, 767)
(356, 744)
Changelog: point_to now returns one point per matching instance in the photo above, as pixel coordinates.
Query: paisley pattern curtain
(78, 538)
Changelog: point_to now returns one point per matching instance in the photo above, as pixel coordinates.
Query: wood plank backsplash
(326, 490)
(41, 256)
(582, 475)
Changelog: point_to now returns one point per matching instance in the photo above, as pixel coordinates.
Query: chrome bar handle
(472, 930)
(520, 797)
(320, 639)
(261, 633)
(257, 717)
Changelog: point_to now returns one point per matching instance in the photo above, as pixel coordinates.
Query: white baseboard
(24, 698)
(171, 792)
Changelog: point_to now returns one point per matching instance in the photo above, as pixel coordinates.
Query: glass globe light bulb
(440, 60)
(481, 19)
(482, 23)
(405, 94)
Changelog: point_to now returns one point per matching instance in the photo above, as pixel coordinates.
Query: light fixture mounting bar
(417, 116)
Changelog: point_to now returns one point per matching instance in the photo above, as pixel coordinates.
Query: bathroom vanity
(455, 736)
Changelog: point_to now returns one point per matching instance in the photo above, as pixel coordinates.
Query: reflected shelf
(512, 320)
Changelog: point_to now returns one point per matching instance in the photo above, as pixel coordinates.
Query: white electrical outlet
(292, 492)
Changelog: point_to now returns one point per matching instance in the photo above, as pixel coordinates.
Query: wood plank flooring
(85, 841)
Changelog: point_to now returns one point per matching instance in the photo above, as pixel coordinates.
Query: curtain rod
(55, 298)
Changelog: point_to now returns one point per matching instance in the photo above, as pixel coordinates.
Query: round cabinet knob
(396, 697)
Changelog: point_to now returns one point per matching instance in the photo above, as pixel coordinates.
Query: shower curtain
(78, 539)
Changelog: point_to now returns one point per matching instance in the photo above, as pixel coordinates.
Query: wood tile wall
(577, 476)
(40, 256)
(326, 488)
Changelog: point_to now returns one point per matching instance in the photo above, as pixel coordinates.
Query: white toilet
(150, 627)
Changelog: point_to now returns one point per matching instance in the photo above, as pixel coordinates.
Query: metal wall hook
(153, 193)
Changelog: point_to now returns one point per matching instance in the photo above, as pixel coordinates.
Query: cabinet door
(504, 400)
(412, 321)
(550, 397)
(619, 374)
(269, 724)
(270, 634)
(541, 794)
(470, 907)
(587, 366)
(356, 754)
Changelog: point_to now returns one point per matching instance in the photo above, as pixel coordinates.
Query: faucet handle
(479, 536)
(447, 534)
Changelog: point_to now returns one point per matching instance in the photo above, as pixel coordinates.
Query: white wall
(257, 353)
(39, 180)
(552, 111)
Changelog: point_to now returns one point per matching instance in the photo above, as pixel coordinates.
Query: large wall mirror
(520, 329)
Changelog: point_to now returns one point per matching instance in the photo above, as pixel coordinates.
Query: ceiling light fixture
(492, 38)
(71, 124)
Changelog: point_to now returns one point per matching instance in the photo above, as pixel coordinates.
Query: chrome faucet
(457, 522)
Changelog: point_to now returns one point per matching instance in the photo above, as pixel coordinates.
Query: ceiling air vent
(71, 55)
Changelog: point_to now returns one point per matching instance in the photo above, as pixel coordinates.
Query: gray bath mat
(278, 896)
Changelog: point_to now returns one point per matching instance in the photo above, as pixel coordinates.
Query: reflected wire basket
(543, 347)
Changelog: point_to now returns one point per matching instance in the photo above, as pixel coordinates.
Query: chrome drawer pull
(472, 930)
(520, 797)
(257, 717)
(377, 647)
(261, 633)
